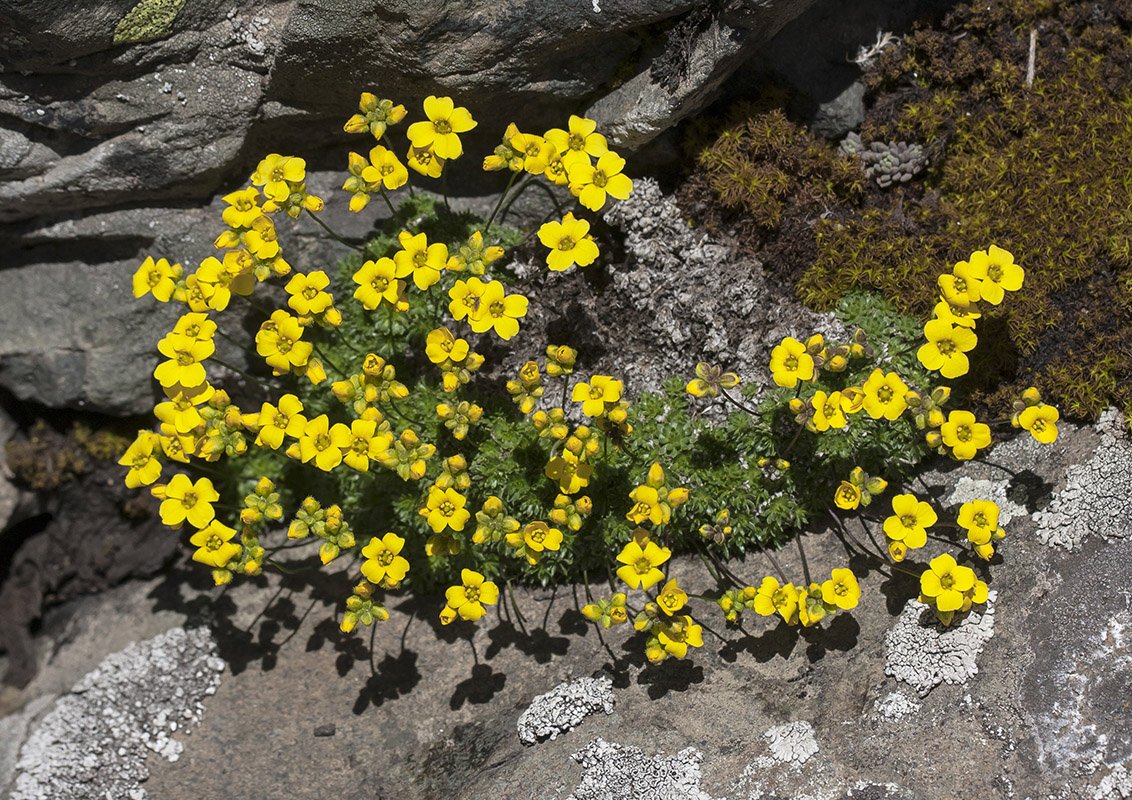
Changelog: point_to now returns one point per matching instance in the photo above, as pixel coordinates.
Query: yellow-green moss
(148, 20)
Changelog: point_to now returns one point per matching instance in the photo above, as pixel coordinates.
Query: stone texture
(106, 151)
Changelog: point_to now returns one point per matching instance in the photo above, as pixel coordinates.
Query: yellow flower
(641, 558)
(306, 295)
(156, 278)
(424, 161)
(140, 458)
(243, 208)
(671, 598)
(829, 411)
(275, 172)
(885, 395)
(812, 608)
(571, 474)
(710, 380)
(961, 288)
(535, 538)
(944, 583)
(963, 317)
(382, 562)
(910, 521)
(963, 435)
(417, 257)
(323, 444)
(365, 443)
(847, 496)
(789, 363)
(498, 312)
(591, 183)
(445, 121)
(275, 423)
(535, 150)
(579, 143)
(183, 367)
(594, 396)
(262, 238)
(446, 509)
(386, 169)
(841, 589)
(441, 345)
(467, 298)
(214, 545)
(676, 636)
(946, 348)
(468, 599)
(377, 283)
(278, 341)
(980, 518)
(569, 242)
(185, 500)
(996, 269)
(1040, 421)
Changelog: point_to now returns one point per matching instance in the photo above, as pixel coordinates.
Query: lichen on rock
(95, 741)
(619, 772)
(148, 20)
(563, 707)
(1097, 497)
(793, 742)
(924, 656)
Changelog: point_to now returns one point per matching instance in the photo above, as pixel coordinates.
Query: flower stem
(499, 204)
(331, 233)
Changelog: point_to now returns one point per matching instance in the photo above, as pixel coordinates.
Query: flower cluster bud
(560, 360)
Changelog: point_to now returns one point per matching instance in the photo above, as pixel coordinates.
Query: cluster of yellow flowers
(199, 420)
(797, 605)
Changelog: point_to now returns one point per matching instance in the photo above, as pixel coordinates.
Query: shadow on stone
(479, 688)
(672, 674)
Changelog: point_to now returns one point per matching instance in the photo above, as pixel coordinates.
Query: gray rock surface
(1041, 717)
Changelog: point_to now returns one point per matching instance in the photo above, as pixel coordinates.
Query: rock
(95, 740)
(107, 150)
(845, 112)
(923, 655)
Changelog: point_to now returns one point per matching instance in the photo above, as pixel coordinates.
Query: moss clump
(765, 165)
(46, 458)
(1041, 171)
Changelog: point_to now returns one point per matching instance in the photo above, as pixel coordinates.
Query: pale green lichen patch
(148, 20)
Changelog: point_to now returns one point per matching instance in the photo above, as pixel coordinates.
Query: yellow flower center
(791, 363)
(576, 142)
(379, 284)
(140, 460)
(310, 293)
(386, 169)
(1038, 425)
(828, 409)
(533, 150)
(994, 272)
(322, 441)
(884, 394)
(599, 179)
(214, 542)
(277, 175)
(280, 420)
(980, 520)
(960, 284)
(537, 535)
(153, 278)
(447, 509)
(963, 433)
(643, 566)
(442, 126)
(908, 520)
(669, 601)
(420, 257)
(284, 344)
(472, 593)
(360, 445)
(185, 358)
(566, 243)
(496, 310)
(945, 346)
(385, 558)
(189, 500)
(840, 589)
(946, 580)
